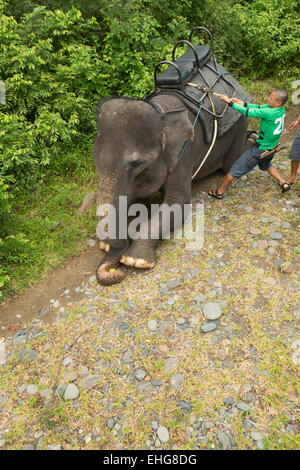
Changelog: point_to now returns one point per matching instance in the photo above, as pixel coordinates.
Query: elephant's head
(137, 146)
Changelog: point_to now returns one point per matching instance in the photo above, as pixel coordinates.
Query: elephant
(136, 153)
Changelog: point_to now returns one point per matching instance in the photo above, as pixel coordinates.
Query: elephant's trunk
(110, 271)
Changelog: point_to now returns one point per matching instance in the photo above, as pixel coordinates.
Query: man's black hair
(282, 95)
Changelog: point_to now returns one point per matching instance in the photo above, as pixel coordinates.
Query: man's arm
(262, 112)
(294, 123)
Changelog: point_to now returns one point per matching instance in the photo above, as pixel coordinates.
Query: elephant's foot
(137, 257)
(104, 246)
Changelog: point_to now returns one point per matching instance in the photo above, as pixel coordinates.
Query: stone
(257, 435)
(67, 361)
(54, 447)
(185, 405)
(91, 381)
(140, 374)
(163, 434)
(296, 344)
(152, 325)
(26, 355)
(207, 327)
(46, 393)
(225, 440)
(199, 298)
(275, 236)
(71, 392)
(172, 283)
(60, 390)
(212, 311)
(171, 364)
(28, 447)
(56, 304)
(286, 268)
(243, 406)
(91, 242)
(176, 381)
(262, 244)
(229, 401)
(92, 278)
(32, 389)
(296, 357)
(154, 425)
(110, 423)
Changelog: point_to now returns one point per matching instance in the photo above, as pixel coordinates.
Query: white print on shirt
(279, 128)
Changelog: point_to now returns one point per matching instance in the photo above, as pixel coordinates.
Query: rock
(212, 311)
(46, 393)
(243, 406)
(225, 441)
(110, 423)
(56, 304)
(154, 425)
(60, 390)
(54, 447)
(92, 278)
(257, 435)
(91, 381)
(67, 361)
(26, 355)
(286, 268)
(229, 401)
(171, 364)
(163, 434)
(249, 209)
(32, 389)
(140, 374)
(296, 344)
(28, 447)
(199, 298)
(152, 325)
(172, 283)
(207, 327)
(296, 357)
(176, 381)
(275, 236)
(71, 392)
(3, 353)
(91, 242)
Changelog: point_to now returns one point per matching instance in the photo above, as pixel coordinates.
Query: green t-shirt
(271, 122)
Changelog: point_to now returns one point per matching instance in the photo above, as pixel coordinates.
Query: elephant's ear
(177, 130)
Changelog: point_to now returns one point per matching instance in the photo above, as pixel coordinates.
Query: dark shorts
(295, 148)
(248, 160)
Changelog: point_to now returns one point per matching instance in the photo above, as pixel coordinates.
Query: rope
(188, 141)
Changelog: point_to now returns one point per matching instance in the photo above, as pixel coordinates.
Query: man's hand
(294, 124)
(225, 98)
(235, 100)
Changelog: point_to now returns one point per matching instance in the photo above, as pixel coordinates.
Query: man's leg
(272, 170)
(294, 168)
(240, 167)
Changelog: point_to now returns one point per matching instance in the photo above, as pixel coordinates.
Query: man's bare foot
(291, 180)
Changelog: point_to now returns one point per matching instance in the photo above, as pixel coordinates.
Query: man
(271, 117)
(294, 152)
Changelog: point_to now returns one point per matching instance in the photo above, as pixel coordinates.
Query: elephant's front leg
(141, 252)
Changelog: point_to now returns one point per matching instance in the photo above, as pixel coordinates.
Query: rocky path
(201, 352)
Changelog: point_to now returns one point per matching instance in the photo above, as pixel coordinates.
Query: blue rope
(201, 102)
(188, 141)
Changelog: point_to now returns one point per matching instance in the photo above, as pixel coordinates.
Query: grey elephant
(136, 153)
